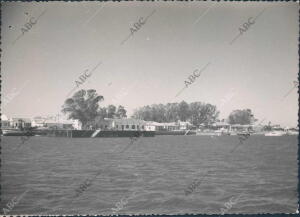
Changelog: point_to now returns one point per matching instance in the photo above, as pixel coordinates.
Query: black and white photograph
(149, 107)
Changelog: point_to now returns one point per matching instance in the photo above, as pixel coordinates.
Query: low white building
(55, 122)
(124, 124)
(184, 125)
(5, 123)
(20, 123)
(77, 124)
(38, 122)
(63, 124)
(179, 125)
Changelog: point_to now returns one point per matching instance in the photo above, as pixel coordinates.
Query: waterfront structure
(20, 123)
(55, 122)
(14, 123)
(38, 122)
(124, 124)
(185, 125)
(172, 126)
(5, 123)
(241, 128)
(221, 126)
(62, 124)
(164, 126)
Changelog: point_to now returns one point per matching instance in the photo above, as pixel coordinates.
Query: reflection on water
(157, 171)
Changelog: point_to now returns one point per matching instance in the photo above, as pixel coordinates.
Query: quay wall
(90, 133)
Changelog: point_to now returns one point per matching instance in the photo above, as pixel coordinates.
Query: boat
(223, 132)
(176, 132)
(290, 133)
(207, 133)
(220, 132)
(275, 133)
(17, 132)
(244, 133)
(97, 133)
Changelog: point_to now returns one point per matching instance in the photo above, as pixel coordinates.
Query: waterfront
(157, 170)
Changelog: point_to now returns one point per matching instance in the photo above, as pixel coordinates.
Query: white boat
(292, 132)
(16, 132)
(207, 133)
(275, 133)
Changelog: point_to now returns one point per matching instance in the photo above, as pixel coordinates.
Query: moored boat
(275, 133)
(98, 133)
(17, 132)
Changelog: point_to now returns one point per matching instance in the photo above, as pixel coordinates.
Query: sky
(40, 67)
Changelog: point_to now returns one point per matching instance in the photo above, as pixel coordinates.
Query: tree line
(84, 106)
(196, 112)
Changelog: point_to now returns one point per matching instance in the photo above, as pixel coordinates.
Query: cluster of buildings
(122, 124)
(39, 122)
(130, 124)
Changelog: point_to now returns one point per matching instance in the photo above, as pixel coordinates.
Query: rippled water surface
(150, 175)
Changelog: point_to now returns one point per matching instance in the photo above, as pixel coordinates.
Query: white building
(5, 123)
(184, 125)
(38, 122)
(63, 124)
(56, 122)
(20, 122)
(124, 124)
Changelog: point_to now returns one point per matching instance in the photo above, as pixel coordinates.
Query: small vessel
(17, 132)
(208, 133)
(290, 133)
(275, 133)
(243, 133)
(223, 132)
(175, 132)
(97, 133)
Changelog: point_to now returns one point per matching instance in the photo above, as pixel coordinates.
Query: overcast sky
(256, 71)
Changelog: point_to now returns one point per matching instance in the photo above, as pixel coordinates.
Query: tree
(157, 113)
(121, 112)
(102, 113)
(172, 112)
(111, 111)
(183, 111)
(242, 117)
(143, 113)
(83, 105)
(202, 113)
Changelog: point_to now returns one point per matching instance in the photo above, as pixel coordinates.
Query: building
(124, 124)
(38, 122)
(63, 124)
(165, 126)
(55, 122)
(221, 126)
(20, 123)
(241, 128)
(5, 123)
(185, 125)
(77, 124)
(258, 128)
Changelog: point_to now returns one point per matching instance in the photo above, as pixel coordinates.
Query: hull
(214, 133)
(243, 134)
(175, 133)
(98, 133)
(275, 134)
(289, 133)
(208, 134)
(13, 132)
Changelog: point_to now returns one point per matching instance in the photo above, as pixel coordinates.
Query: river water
(149, 175)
